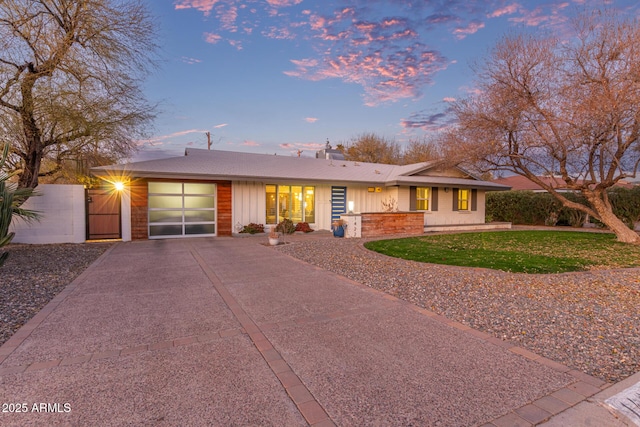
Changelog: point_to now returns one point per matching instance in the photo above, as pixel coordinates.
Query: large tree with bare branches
(560, 106)
(70, 81)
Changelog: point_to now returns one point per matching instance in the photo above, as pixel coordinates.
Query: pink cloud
(472, 28)
(386, 76)
(161, 139)
(212, 38)
(228, 16)
(279, 33)
(248, 143)
(236, 43)
(190, 61)
(283, 3)
(507, 10)
(543, 16)
(204, 6)
(220, 126)
(378, 45)
(310, 119)
(429, 122)
(294, 147)
(449, 99)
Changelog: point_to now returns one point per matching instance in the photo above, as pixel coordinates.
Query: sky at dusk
(279, 76)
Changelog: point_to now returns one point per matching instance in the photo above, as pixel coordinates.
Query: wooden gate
(103, 214)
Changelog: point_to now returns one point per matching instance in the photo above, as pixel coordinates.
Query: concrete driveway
(229, 332)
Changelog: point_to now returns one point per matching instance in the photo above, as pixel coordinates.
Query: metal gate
(338, 202)
(103, 214)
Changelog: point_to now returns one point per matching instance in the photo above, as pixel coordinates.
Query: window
(178, 209)
(463, 199)
(422, 198)
(295, 202)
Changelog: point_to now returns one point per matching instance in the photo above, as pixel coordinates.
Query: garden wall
(62, 220)
(378, 224)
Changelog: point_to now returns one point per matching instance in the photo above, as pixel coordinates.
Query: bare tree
(70, 76)
(567, 107)
(372, 148)
(421, 151)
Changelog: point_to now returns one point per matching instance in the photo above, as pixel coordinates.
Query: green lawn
(516, 251)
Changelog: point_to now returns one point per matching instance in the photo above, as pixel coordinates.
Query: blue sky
(279, 76)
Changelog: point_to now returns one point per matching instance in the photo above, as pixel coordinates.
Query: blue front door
(338, 202)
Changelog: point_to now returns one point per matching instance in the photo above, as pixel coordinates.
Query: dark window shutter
(434, 199)
(455, 199)
(474, 200)
(412, 198)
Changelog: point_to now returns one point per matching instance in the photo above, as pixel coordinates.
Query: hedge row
(529, 208)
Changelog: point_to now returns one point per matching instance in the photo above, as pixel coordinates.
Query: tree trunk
(33, 137)
(615, 224)
(29, 175)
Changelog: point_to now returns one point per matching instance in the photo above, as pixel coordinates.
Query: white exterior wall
(63, 219)
(249, 204)
(363, 201)
(445, 215)
(125, 214)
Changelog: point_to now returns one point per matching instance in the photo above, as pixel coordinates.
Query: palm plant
(11, 200)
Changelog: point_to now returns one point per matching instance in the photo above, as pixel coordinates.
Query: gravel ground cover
(586, 320)
(34, 274)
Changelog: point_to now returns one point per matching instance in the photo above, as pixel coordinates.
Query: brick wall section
(377, 224)
(225, 217)
(140, 204)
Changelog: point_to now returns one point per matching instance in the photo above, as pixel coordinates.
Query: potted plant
(274, 237)
(338, 227)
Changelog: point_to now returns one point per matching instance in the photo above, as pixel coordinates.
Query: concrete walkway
(229, 332)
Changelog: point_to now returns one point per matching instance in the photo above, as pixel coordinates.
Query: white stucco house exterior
(213, 192)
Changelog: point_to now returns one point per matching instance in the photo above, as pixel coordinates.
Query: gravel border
(34, 274)
(588, 320)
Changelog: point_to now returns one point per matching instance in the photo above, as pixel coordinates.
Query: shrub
(527, 207)
(626, 204)
(252, 228)
(304, 227)
(286, 226)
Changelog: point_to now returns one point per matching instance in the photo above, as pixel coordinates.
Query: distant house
(213, 193)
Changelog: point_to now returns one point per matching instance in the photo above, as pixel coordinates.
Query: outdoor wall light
(351, 205)
(446, 189)
(119, 186)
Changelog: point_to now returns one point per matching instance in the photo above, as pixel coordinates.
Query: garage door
(181, 209)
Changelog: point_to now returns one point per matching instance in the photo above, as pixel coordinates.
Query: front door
(338, 202)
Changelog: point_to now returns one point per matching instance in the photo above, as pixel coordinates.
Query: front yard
(530, 251)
